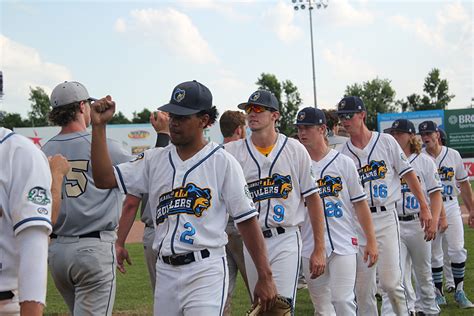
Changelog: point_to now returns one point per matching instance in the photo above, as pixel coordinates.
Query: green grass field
(134, 294)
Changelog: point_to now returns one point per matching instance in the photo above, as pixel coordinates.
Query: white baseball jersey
(450, 170)
(189, 199)
(429, 180)
(380, 164)
(25, 199)
(279, 182)
(339, 187)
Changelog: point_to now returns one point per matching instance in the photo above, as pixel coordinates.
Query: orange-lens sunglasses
(254, 107)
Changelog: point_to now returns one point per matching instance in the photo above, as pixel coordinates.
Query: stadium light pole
(311, 4)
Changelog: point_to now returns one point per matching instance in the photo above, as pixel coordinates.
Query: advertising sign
(460, 129)
(385, 120)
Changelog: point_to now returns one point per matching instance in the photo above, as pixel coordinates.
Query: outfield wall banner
(469, 166)
(460, 129)
(385, 120)
(135, 138)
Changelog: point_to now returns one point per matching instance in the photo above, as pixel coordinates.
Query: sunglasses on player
(345, 116)
(255, 108)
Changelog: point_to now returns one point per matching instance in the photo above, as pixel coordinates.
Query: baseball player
(333, 125)
(59, 169)
(233, 127)
(82, 253)
(452, 173)
(25, 223)
(190, 186)
(343, 198)
(160, 123)
(381, 163)
(414, 246)
(279, 176)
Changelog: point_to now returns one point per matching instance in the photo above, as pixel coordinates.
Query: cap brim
(243, 105)
(348, 111)
(91, 99)
(177, 110)
(427, 131)
(309, 124)
(391, 129)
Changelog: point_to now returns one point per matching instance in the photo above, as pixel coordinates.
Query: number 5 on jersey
(76, 180)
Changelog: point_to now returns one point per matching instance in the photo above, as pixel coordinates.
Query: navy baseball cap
(402, 125)
(350, 104)
(310, 116)
(69, 92)
(427, 127)
(188, 98)
(262, 97)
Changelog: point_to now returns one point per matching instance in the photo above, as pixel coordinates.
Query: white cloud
(349, 13)
(120, 25)
(280, 19)
(342, 62)
(436, 35)
(173, 30)
(226, 8)
(23, 67)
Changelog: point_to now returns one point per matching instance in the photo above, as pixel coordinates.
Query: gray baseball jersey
(84, 207)
(25, 199)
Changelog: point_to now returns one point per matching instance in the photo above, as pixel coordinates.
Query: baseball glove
(282, 307)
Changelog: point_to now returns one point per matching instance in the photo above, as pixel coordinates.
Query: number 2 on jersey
(186, 235)
(76, 180)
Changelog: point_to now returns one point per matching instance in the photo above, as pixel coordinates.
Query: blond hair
(415, 144)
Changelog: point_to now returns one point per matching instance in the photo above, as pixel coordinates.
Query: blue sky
(138, 51)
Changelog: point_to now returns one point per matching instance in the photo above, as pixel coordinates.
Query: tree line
(377, 94)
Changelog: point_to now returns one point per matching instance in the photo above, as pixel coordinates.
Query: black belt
(179, 260)
(407, 218)
(95, 234)
(447, 198)
(373, 209)
(6, 295)
(268, 233)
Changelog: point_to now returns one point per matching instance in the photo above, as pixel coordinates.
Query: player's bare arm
(59, 168)
(129, 211)
(102, 112)
(436, 204)
(466, 194)
(415, 188)
(30, 308)
(265, 289)
(443, 220)
(364, 216)
(317, 261)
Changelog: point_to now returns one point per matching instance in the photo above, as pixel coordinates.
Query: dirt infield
(136, 233)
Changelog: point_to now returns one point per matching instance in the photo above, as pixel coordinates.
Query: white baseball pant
(333, 292)
(388, 268)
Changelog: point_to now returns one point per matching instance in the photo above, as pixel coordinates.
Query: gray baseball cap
(262, 97)
(69, 92)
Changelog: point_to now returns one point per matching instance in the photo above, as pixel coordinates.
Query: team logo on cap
(342, 104)
(329, 186)
(179, 95)
(373, 171)
(190, 199)
(395, 124)
(276, 186)
(255, 96)
(301, 116)
(424, 126)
